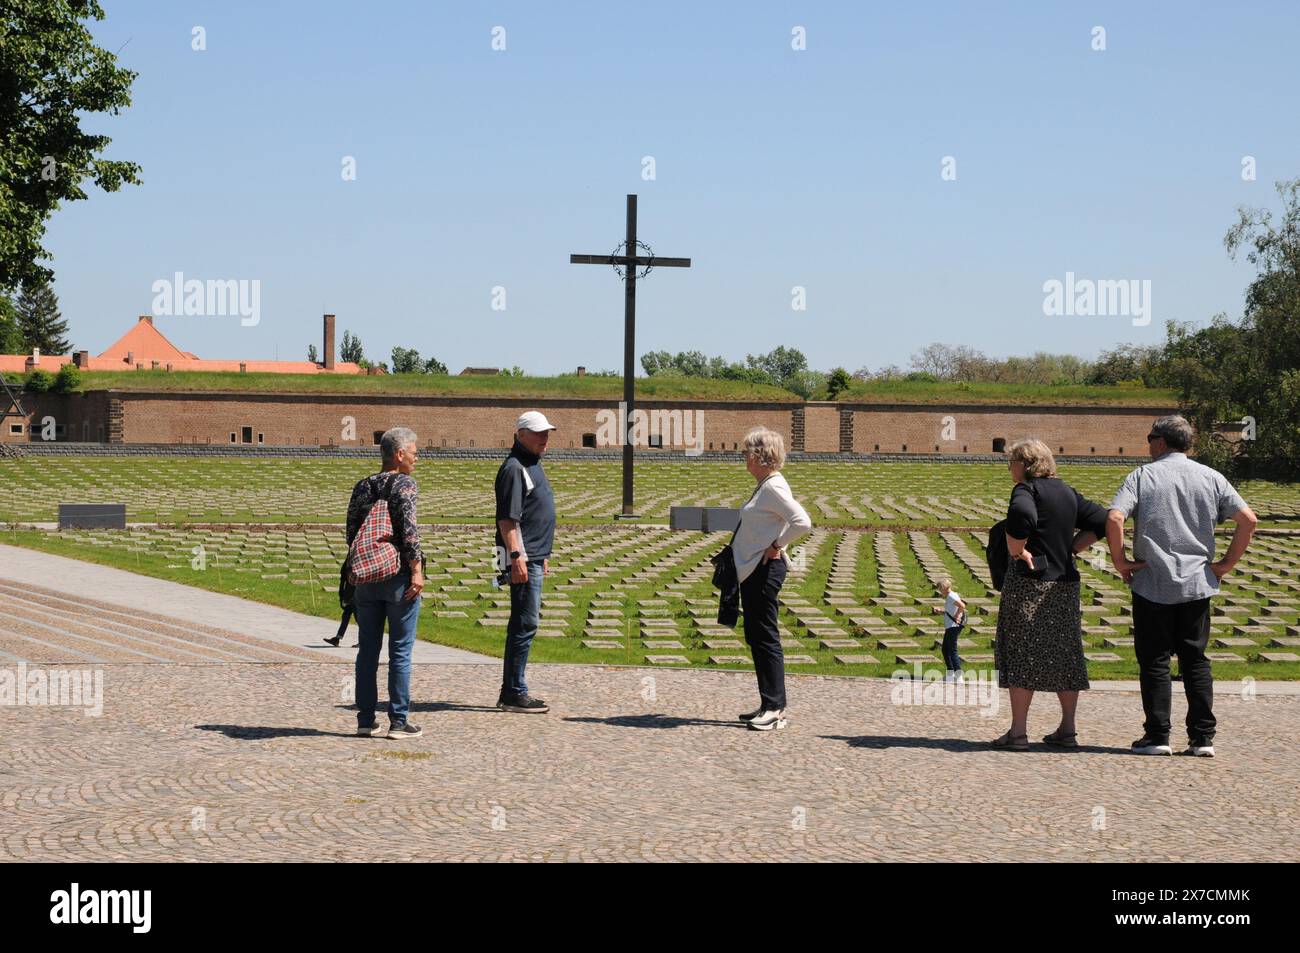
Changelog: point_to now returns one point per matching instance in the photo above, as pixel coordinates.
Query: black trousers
(758, 600)
(1182, 629)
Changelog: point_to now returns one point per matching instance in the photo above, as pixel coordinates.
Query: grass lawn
(667, 387)
(598, 567)
(451, 385)
(286, 490)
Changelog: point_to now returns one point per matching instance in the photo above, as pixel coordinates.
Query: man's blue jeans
(375, 602)
(525, 611)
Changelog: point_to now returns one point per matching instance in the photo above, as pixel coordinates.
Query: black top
(532, 508)
(1047, 511)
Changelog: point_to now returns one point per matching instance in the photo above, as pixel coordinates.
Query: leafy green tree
(781, 364)
(406, 361)
(11, 339)
(39, 320)
(1232, 370)
(434, 366)
(652, 362)
(311, 354)
(39, 381)
(350, 349)
(67, 380)
(51, 76)
(837, 383)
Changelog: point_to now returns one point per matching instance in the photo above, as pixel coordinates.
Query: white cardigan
(771, 515)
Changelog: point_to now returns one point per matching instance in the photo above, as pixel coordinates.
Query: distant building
(491, 371)
(144, 347)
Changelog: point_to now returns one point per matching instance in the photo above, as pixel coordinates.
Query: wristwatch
(515, 554)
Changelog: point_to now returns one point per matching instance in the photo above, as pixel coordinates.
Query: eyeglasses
(1153, 436)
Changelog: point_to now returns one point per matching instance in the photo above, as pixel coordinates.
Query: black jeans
(1184, 630)
(758, 600)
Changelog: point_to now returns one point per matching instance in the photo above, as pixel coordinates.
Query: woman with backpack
(1039, 642)
(387, 565)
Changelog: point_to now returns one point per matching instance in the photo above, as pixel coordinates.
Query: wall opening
(999, 444)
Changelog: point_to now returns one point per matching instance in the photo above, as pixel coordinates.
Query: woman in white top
(769, 522)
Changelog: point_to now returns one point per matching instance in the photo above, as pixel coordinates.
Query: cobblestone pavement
(244, 761)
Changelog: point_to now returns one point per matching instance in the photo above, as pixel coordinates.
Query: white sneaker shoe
(1200, 751)
(767, 720)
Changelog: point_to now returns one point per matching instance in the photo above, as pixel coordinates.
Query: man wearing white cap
(525, 530)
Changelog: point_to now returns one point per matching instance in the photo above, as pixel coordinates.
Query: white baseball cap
(533, 420)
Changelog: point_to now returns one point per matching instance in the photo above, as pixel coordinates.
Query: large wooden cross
(630, 261)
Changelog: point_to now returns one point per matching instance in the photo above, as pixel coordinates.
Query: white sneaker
(1200, 751)
(767, 720)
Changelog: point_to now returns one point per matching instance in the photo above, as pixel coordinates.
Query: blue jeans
(525, 612)
(950, 657)
(375, 602)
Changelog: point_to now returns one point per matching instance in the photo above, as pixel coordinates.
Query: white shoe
(767, 720)
(1200, 751)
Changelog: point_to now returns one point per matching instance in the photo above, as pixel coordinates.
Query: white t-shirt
(951, 608)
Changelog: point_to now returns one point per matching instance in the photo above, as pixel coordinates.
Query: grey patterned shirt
(1175, 503)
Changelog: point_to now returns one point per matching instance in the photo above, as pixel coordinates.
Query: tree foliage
(39, 321)
(51, 76)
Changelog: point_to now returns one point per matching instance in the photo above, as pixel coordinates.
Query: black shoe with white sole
(766, 720)
(367, 731)
(403, 731)
(524, 704)
(751, 715)
(1149, 745)
(1201, 750)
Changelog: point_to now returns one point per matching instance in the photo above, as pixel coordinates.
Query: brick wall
(76, 417)
(821, 427)
(905, 428)
(307, 420)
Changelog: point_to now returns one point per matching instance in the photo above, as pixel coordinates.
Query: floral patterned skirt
(1040, 642)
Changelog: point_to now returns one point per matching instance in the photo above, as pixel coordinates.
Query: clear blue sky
(775, 168)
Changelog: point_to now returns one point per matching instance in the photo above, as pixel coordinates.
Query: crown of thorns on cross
(619, 252)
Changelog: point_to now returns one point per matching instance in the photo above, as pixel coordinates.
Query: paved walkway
(55, 609)
(253, 762)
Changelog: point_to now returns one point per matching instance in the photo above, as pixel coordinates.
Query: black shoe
(1149, 745)
(334, 640)
(751, 715)
(406, 730)
(367, 731)
(524, 703)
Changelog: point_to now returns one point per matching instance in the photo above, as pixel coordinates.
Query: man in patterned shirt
(396, 599)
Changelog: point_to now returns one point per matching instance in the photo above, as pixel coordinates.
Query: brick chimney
(328, 356)
(147, 319)
(582, 371)
(81, 359)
